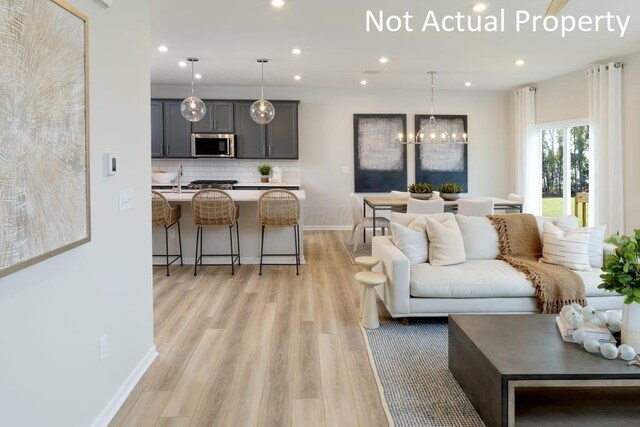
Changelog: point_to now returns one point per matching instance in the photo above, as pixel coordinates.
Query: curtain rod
(617, 64)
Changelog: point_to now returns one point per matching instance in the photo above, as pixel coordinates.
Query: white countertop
(267, 184)
(236, 195)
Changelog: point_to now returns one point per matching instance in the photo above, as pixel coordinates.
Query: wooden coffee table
(506, 363)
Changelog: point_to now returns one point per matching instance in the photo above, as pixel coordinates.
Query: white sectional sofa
(482, 284)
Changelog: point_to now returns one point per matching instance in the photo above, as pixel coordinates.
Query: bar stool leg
(261, 251)
(298, 230)
(166, 246)
(180, 243)
(195, 264)
(201, 240)
(231, 244)
(238, 241)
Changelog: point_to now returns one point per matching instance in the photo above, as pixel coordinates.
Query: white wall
(326, 136)
(53, 313)
(566, 97)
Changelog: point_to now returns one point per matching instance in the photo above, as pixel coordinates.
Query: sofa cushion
(406, 219)
(567, 248)
(412, 240)
(480, 237)
(483, 279)
(565, 222)
(446, 246)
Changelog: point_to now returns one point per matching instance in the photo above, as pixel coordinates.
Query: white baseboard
(125, 389)
(328, 227)
(245, 260)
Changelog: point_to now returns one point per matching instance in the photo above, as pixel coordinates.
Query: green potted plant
(421, 190)
(622, 275)
(451, 191)
(264, 170)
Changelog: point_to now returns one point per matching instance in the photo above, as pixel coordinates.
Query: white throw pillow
(569, 249)
(407, 218)
(480, 237)
(412, 241)
(596, 246)
(446, 246)
(565, 222)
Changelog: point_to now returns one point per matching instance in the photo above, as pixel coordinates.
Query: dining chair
(515, 198)
(166, 216)
(279, 208)
(415, 206)
(475, 207)
(215, 208)
(360, 222)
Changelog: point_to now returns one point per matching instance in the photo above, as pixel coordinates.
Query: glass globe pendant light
(192, 108)
(262, 111)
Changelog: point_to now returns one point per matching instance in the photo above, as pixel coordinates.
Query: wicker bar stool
(215, 208)
(279, 208)
(163, 214)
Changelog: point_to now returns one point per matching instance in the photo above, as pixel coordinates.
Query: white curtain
(606, 189)
(528, 151)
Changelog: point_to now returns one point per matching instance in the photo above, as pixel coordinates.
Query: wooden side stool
(366, 262)
(369, 281)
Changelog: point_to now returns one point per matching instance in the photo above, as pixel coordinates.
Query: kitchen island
(216, 239)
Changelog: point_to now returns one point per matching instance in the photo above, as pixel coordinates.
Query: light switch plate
(126, 199)
(345, 169)
(103, 345)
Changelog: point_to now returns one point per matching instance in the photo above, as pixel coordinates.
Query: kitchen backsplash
(242, 170)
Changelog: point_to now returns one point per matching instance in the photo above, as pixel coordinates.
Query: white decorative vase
(631, 325)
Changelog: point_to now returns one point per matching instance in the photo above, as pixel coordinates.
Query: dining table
(387, 203)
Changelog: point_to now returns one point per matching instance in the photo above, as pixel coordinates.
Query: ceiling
(228, 36)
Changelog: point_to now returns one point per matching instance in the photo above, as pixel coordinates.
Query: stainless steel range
(218, 184)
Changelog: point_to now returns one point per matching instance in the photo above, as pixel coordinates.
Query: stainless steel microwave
(213, 145)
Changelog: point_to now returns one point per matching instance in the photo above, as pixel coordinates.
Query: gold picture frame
(45, 204)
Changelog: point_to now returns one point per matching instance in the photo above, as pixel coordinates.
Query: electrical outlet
(103, 345)
(173, 234)
(126, 199)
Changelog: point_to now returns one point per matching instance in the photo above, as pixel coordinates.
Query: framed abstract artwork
(438, 163)
(380, 161)
(44, 132)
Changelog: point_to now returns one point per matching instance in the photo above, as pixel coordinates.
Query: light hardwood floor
(249, 350)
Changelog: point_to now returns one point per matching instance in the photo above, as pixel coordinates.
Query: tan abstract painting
(44, 187)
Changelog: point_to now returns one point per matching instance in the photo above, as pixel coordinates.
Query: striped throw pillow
(566, 248)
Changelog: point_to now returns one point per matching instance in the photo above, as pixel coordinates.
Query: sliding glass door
(565, 170)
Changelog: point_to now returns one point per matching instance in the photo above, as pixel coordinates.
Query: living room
(96, 335)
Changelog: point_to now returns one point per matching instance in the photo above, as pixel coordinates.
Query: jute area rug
(411, 363)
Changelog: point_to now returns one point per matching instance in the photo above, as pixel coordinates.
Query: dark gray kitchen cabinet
(250, 136)
(218, 118)
(277, 140)
(282, 132)
(177, 131)
(157, 129)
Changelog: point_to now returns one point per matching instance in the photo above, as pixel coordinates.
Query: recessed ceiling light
(277, 3)
(182, 63)
(296, 51)
(163, 48)
(297, 77)
(519, 62)
(363, 82)
(197, 76)
(480, 7)
(383, 60)
(467, 84)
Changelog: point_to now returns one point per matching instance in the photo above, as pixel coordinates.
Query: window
(565, 169)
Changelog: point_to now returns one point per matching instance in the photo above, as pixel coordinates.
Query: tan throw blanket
(520, 246)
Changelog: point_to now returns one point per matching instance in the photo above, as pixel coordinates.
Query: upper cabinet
(171, 133)
(217, 119)
(157, 130)
(277, 140)
(177, 131)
